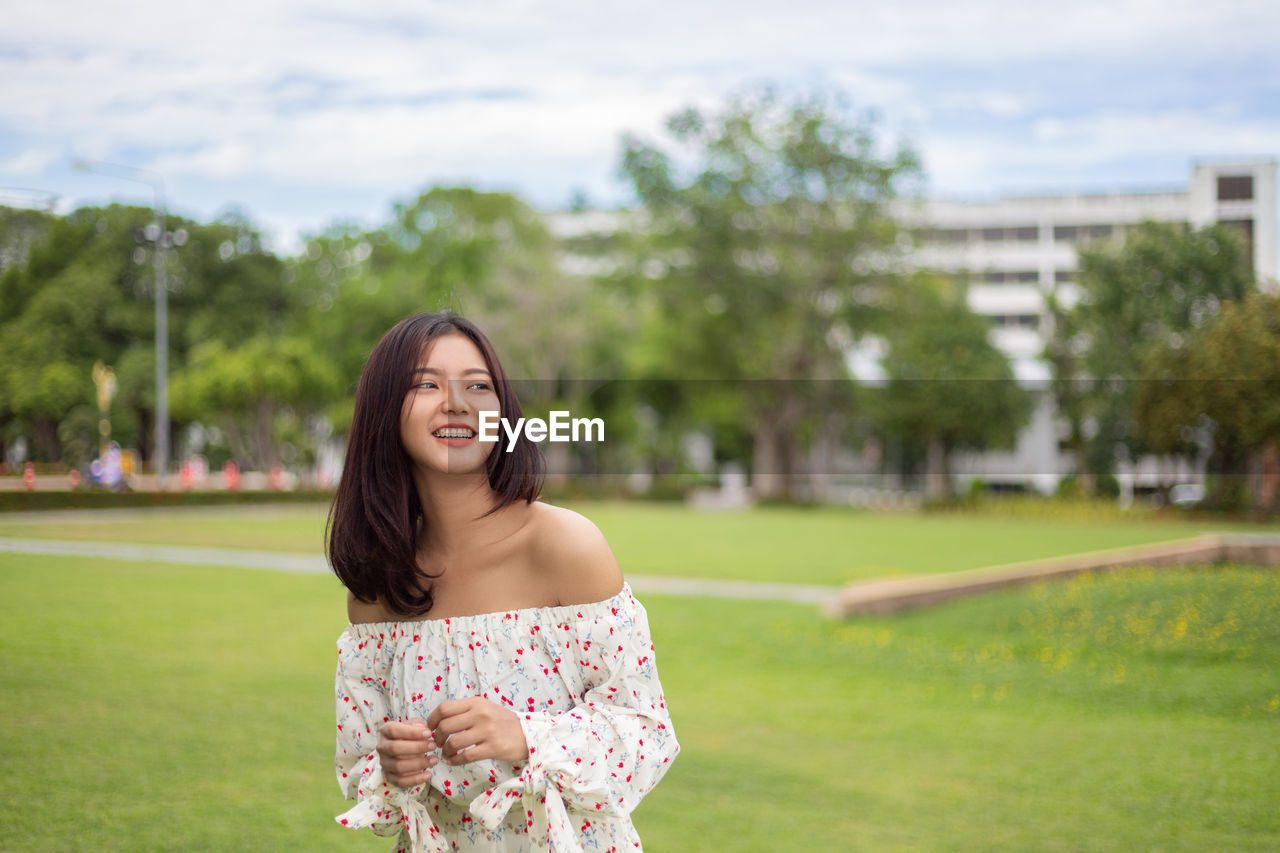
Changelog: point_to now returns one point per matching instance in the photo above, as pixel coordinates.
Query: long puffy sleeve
(363, 695)
(590, 764)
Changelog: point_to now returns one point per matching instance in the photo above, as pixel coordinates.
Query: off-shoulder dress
(583, 681)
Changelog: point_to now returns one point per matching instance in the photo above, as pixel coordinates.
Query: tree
(244, 390)
(74, 301)
(1159, 285)
(1226, 374)
(21, 231)
(85, 293)
(1064, 353)
(948, 385)
(488, 256)
(765, 254)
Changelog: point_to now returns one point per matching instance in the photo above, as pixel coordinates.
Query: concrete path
(315, 564)
(876, 596)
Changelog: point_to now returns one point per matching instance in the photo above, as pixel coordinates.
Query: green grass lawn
(818, 546)
(154, 707)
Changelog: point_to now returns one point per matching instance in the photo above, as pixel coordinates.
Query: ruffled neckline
(555, 612)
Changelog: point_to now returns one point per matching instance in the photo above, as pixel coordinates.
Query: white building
(1016, 249)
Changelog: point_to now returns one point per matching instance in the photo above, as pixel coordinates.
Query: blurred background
(869, 297)
(838, 254)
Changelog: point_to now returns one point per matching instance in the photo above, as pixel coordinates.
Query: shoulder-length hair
(376, 517)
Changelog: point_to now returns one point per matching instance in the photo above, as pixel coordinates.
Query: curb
(892, 596)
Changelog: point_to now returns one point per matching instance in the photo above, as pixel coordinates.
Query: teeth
(453, 432)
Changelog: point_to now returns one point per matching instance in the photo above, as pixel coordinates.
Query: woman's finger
(451, 727)
(408, 780)
(415, 729)
(409, 764)
(399, 748)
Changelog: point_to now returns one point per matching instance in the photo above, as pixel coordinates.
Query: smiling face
(439, 419)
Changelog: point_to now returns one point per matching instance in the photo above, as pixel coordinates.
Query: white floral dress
(584, 683)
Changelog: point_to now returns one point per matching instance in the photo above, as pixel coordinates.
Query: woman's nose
(457, 400)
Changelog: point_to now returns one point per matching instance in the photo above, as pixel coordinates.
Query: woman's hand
(406, 751)
(475, 728)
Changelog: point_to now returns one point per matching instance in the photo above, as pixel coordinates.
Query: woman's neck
(454, 509)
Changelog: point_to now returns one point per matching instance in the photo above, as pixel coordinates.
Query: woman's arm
(382, 805)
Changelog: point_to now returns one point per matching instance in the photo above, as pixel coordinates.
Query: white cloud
(395, 93)
(32, 161)
(1075, 148)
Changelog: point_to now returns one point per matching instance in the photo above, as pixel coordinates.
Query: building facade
(1015, 250)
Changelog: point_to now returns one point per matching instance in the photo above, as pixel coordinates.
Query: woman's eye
(427, 384)
(479, 386)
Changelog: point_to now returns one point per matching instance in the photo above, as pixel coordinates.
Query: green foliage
(249, 386)
(1227, 374)
(948, 385)
(1156, 288)
(488, 256)
(85, 293)
(21, 231)
(770, 249)
(228, 287)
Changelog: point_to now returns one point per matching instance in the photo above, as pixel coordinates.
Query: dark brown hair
(376, 517)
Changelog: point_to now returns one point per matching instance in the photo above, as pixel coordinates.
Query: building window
(1019, 234)
(943, 235)
(1010, 277)
(1083, 233)
(1015, 321)
(1064, 276)
(1235, 188)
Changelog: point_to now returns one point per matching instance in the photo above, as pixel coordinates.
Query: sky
(304, 114)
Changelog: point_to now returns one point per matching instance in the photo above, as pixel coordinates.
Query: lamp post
(156, 182)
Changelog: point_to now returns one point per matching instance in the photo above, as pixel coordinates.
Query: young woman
(496, 686)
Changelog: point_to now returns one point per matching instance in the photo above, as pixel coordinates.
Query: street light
(156, 182)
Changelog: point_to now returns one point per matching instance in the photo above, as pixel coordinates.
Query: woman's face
(439, 420)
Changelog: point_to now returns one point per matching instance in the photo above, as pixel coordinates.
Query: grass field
(817, 546)
(154, 707)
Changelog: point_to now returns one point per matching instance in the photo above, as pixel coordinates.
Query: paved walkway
(315, 564)
(875, 596)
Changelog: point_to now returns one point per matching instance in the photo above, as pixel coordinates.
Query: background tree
(948, 385)
(1227, 374)
(77, 299)
(488, 256)
(85, 293)
(245, 391)
(766, 252)
(1159, 285)
(21, 230)
(1064, 353)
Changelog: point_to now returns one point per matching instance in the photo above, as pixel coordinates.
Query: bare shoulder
(572, 553)
(362, 611)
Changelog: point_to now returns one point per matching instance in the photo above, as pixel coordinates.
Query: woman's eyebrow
(436, 371)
